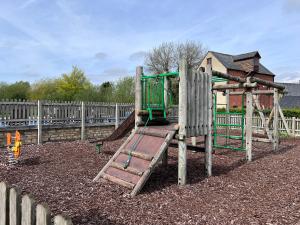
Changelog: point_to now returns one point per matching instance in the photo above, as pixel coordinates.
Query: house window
(208, 61)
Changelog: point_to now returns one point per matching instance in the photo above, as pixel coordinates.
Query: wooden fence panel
(17, 211)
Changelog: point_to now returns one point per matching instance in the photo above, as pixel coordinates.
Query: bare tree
(166, 57)
(161, 59)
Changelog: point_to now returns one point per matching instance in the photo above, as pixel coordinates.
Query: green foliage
(45, 90)
(124, 90)
(72, 84)
(17, 90)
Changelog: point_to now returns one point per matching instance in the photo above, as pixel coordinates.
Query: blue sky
(107, 38)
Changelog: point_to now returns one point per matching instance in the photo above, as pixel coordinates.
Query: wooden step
(152, 132)
(128, 169)
(118, 181)
(137, 154)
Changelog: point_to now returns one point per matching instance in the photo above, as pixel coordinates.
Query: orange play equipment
(13, 145)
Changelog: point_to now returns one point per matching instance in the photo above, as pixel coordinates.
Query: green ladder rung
(229, 147)
(230, 113)
(235, 137)
(228, 125)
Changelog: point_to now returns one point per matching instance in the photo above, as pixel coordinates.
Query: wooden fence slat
(14, 207)
(62, 220)
(27, 211)
(42, 215)
(3, 204)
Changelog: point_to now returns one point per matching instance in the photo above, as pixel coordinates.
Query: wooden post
(117, 116)
(208, 137)
(182, 121)
(138, 95)
(40, 118)
(248, 127)
(82, 121)
(14, 207)
(166, 100)
(294, 126)
(3, 203)
(275, 120)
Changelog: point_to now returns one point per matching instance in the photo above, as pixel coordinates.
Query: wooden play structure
(147, 145)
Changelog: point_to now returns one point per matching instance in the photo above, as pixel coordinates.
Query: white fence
(293, 123)
(16, 209)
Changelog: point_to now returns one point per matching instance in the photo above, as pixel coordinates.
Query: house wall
(217, 66)
(265, 100)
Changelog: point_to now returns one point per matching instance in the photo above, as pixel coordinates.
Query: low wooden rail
(16, 209)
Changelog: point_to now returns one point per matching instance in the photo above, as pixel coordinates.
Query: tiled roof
(234, 62)
(290, 102)
(292, 89)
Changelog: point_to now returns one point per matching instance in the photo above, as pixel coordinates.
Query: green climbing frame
(153, 93)
(228, 125)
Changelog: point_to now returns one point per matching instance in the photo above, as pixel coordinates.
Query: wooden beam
(265, 140)
(118, 181)
(255, 92)
(284, 121)
(228, 77)
(234, 86)
(267, 83)
(248, 128)
(262, 117)
(137, 154)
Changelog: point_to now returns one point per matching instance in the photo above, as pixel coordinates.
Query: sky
(107, 39)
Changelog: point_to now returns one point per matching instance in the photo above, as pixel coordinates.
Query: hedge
(295, 112)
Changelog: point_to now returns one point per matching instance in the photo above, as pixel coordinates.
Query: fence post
(82, 121)
(117, 116)
(14, 207)
(294, 126)
(40, 118)
(3, 203)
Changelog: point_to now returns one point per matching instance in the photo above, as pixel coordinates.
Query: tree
(124, 90)
(45, 90)
(166, 57)
(18, 90)
(73, 83)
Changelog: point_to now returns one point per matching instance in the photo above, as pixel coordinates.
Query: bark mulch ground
(265, 191)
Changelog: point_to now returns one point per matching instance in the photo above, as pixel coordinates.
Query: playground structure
(147, 145)
(13, 148)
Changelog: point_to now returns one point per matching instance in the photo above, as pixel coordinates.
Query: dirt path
(265, 191)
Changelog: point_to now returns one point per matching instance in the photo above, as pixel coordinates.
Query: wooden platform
(146, 146)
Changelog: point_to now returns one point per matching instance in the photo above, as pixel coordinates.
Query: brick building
(240, 65)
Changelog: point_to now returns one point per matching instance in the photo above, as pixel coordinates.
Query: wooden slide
(135, 160)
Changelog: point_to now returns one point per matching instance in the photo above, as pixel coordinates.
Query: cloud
(27, 3)
(288, 77)
(291, 6)
(137, 55)
(101, 55)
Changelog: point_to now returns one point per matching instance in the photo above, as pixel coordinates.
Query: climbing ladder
(135, 160)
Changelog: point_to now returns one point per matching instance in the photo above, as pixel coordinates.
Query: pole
(275, 120)
(117, 116)
(182, 121)
(138, 95)
(40, 118)
(82, 121)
